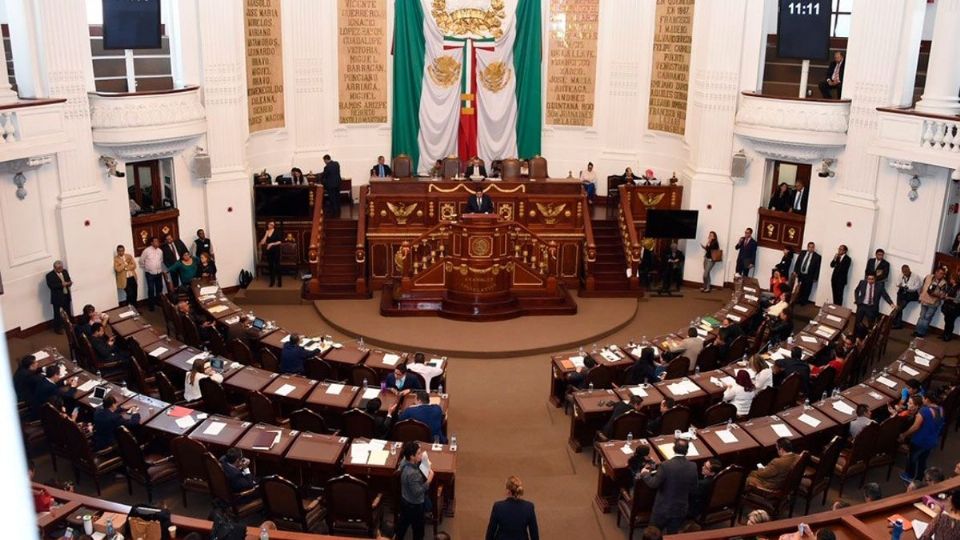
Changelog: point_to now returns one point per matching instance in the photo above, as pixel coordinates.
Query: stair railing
(360, 251)
(628, 235)
(316, 247)
(589, 249)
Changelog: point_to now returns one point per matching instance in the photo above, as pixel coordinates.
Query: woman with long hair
(271, 243)
(740, 392)
(710, 249)
(191, 383)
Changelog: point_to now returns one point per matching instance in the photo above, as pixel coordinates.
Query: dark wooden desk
(299, 387)
(249, 379)
(167, 421)
(317, 456)
(663, 444)
(331, 406)
(827, 407)
(590, 412)
(614, 473)
(159, 351)
(119, 314)
(275, 340)
(228, 436)
(147, 407)
(344, 359)
(713, 390)
(115, 390)
(560, 368)
(128, 327)
(814, 345)
(267, 461)
(377, 361)
(761, 429)
(146, 337)
(888, 384)
(651, 396)
(695, 396)
(926, 366)
(380, 476)
(868, 396)
(744, 451)
(812, 436)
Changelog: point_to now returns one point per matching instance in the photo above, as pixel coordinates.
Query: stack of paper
(876, 395)
(209, 289)
(781, 430)
(285, 390)
(925, 362)
(701, 332)
(825, 332)
(751, 297)
(335, 389)
(834, 318)
(910, 371)
(577, 361)
(185, 422)
(735, 318)
(359, 452)
(741, 309)
(626, 449)
(198, 356)
(886, 382)
(41, 355)
(391, 359)
(683, 388)
(156, 353)
(370, 393)
(809, 420)
(808, 339)
(843, 407)
(638, 391)
(923, 354)
(727, 436)
(218, 309)
(88, 386)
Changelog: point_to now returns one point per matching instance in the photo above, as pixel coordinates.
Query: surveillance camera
(825, 171)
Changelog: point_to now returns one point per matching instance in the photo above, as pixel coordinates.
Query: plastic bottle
(264, 535)
(591, 387)
(364, 383)
(897, 531)
(629, 438)
(109, 533)
(453, 441)
(440, 389)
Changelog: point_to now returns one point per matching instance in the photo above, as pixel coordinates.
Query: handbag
(716, 255)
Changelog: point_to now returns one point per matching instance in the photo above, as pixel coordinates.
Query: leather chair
(51, 422)
(83, 458)
(363, 375)
(708, 359)
(822, 384)
(263, 410)
(630, 422)
(283, 505)
(217, 345)
(774, 500)
(146, 384)
(168, 392)
(410, 430)
(674, 419)
(510, 170)
(357, 423)
(719, 413)
(538, 168)
(451, 167)
(402, 167)
(269, 361)
(352, 508)
(71, 332)
(319, 369)
(188, 459)
(307, 420)
(148, 470)
(239, 504)
(724, 496)
(636, 506)
(240, 352)
(788, 393)
(677, 368)
(216, 401)
(169, 317)
(854, 460)
(816, 478)
(736, 350)
(191, 334)
(175, 319)
(763, 403)
(886, 444)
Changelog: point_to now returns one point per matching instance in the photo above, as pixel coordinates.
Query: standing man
(932, 292)
(867, 296)
(808, 270)
(672, 268)
(834, 80)
(414, 489)
(151, 260)
(674, 481)
(330, 179)
(841, 270)
(908, 290)
(172, 251)
(380, 170)
(798, 203)
(126, 270)
(747, 256)
(879, 267)
(58, 281)
(480, 203)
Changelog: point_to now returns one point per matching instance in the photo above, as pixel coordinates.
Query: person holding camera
(932, 293)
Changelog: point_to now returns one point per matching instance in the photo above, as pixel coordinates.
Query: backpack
(245, 279)
(225, 527)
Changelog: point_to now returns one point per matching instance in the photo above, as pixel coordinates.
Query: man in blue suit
(293, 356)
(401, 382)
(431, 415)
(330, 179)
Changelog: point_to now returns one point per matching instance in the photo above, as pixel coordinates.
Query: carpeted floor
(499, 412)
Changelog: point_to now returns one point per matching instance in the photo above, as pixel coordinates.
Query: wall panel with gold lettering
(261, 24)
(362, 40)
(669, 84)
(572, 65)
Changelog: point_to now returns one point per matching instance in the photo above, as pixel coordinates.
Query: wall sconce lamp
(20, 180)
(914, 185)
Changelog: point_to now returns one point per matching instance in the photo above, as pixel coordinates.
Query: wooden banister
(631, 242)
(360, 253)
(315, 249)
(589, 248)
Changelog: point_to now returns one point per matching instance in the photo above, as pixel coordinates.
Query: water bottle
(729, 423)
(361, 343)
(629, 438)
(440, 389)
(806, 403)
(453, 442)
(897, 530)
(594, 350)
(68, 533)
(591, 387)
(580, 351)
(99, 375)
(264, 535)
(109, 533)
(383, 385)
(696, 370)
(364, 383)
(676, 434)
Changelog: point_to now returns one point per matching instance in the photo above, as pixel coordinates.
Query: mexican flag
(467, 81)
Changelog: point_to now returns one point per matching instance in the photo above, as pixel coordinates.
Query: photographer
(931, 294)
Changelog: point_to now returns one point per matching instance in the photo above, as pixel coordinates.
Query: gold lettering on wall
(671, 65)
(572, 66)
(261, 25)
(363, 61)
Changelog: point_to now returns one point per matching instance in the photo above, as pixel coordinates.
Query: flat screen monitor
(671, 224)
(803, 29)
(129, 24)
(283, 202)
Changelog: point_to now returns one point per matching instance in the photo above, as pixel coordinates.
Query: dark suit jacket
(484, 207)
(292, 358)
(675, 480)
(801, 368)
(882, 270)
(381, 426)
(647, 260)
(747, 253)
(641, 372)
(805, 195)
(813, 270)
(58, 295)
(236, 478)
(698, 499)
(841, 269)
(25, 383)
(513, 519)
(102, 348)
(780, 202)
(409, 382)
(330, 177)
(784, 264)
(168, 256)
(46, 391)
(879, 291)
(375, 170)
(833, 65)
(431, 415)
(468, 172)
(619, 409)
(105, 424)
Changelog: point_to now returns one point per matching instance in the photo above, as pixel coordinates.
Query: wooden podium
(480, 267)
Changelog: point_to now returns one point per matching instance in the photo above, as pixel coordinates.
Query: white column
(307, 50)
(943, 72)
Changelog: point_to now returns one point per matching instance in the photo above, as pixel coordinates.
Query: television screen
(671, 224)
(803, 29)
(131, 24)
(282, 202)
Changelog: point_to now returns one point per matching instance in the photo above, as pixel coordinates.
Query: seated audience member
(204, 323)
(946, 524)
(728, 332)
(202, 244)
(296, 177)
(475, 168)
(185, 269)
(87, 318)
(931, 476)
(700, 497)
(690, 347)
(758, 516)
(619, 409)
(740, 393)
(777, 283)
(833, 84)
(781, 306)
(496, 168)
(781, 199)
(913, 388)
(784, 266)
(871, 492)
(589, 180)
(51, 388)
(399, 381)
(654, 425)
(785, 367)
(861, 421)
(836, 362)
(237, 470)
(782, 327)
(437, 170)
(381, 423)
(293, 356)
(772, 476)
(578, 379)
(199, 370)
(648, 179)
(26, 377)
(428, 413)
(762, 373)
(381, 169)
(106, 348)
(644, 370)
(107, 418)
(639, 460)
(207, 269)
(425, 370)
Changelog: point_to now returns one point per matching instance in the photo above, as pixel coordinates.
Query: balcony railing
(909, 135)
(802, 129)
(31, 128)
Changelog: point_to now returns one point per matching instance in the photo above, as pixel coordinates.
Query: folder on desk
(266, 440)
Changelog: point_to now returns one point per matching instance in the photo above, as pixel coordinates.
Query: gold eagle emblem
(445, 71)
(550, 211)
(650, 201)
(470, 21)
(495, 76)
(401, 211)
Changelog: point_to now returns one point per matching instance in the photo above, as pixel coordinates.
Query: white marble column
(310, 133)
(943, 71)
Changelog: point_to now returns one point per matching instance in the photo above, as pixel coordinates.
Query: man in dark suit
(785, 262)
(747, 253)
(428, 413)
(172, 250)
(401, 382)
(51, 388)
(26, 378)
(107, 418)
(674, 481)
(619, 409)
(293, 357)
(648, 263)
(879, 267)
(59, 283)
(834, 80)
(784, 367)
(798, 200)
(699, 498)
(867, 296)
(480, 203)
(840, 273)
(475, 168)
(381, 424)
(236, 469)
(808, 270)
(105, 347)
(330, 179)
(381, 169)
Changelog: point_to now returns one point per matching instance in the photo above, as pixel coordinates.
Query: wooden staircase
(610, 269)
(339, 269)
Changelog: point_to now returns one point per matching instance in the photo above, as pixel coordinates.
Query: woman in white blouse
(740, 393)
(191, 383)
(762, 374)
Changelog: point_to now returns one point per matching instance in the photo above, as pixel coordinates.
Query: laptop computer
(216, 363)
(96, 398)
(259, 323)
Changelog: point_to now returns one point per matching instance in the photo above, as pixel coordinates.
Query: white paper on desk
(728, 380)
(808, 339)
(727, 436)
(195, 357)
(910, 371)
(809, 420)
(780, 354)
(378, 457)
(919, 527)
(741, 309)
(285, 339)
(41, 355)
(692, 451)
(843, 407)
(370, 393)
(185, 422)
(156, 353)
(782, 430)
(733, 317)
(218, 309)
(391, 359)
(834, 318)
(626, 449)
(638, 391)
(683, 388)
(923, 354)
(214, 428)
(376, 444)
(577, 361)
(126, 314)
(209, 289)
(88, 386)
(876, 395)
(232, 320)
(335, 389)
(425, 465)
(824, 333)
(751, 297)
(886, 382)
(285, 390)
(701, 332)
(359, 453)
(925, 362)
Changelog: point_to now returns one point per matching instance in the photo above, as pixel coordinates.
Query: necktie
(176, 253)
(869, 294)
(479, 202)
(796, 202)
(806, 263)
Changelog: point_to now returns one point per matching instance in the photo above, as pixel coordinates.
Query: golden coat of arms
(444, 71)
(470, 18)
(401, 211)
(550, 211)
(495, 76)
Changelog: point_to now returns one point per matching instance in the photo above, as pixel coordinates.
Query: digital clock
(803, 29)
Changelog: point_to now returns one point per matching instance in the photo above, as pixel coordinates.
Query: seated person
(871, 492)
(107, 418)
(836, 362)
(199, 370)
(782, 327)
(781, 200)
(480, 202)
(87, 318)
(475, 168)
(619, 409)
(51, 388)
(672, 272)
(628, 176)
(26, 377)
(861, 421)
(437, 170)
(425, 370)
(728, 332)
(762, 373)
(578, 379)
(782, 304)
(644, 370)
(207, 268)
(777, 282)
(381, 169)
(772, 476)
(204, 323)
(381, 424)
(399, 381)
(690, 347)
(296, 177)
(106, 348)
(524, 168)
(186, 268)
(496, 167)
(639, 460)
(913, 388)
(429, 414)
(654, 425)
(589, 180)
(784, 367)
(293, 356)
(699, 497)
(237, 470)
(740, 392)
(648, 179)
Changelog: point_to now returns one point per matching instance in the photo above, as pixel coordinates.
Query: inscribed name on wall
(363, 61)
(572, 66)
(669, 82)
(261, 26)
